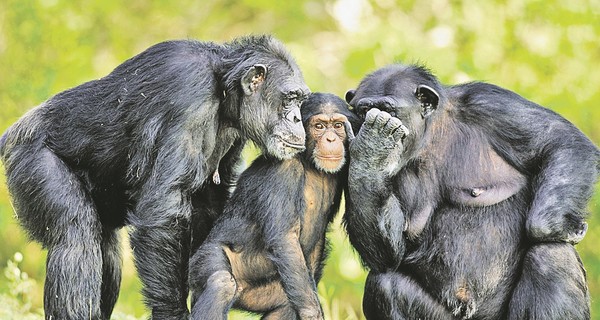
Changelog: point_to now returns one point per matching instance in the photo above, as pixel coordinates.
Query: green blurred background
(547, 51)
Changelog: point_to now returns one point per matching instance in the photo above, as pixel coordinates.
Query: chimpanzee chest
(319, 197)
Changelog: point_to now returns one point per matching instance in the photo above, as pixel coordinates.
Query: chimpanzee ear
(350, 95)
(429, 99)
(349, 131)
(253, 78)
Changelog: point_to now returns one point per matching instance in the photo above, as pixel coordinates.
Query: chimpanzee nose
(294, 115)
(331, 137)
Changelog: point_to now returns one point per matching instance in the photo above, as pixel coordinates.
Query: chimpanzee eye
(338, 125)
(319, 126)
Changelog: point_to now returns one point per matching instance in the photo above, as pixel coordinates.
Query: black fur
(465, 201)
(141, 147)
(266, 252)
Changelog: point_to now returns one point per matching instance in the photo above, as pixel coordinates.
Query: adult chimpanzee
(136, 147)
(266, 252)
(464, 201)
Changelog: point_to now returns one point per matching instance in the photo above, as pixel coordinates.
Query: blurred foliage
(546, 51)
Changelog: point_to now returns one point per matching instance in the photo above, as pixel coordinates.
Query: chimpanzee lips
(298, 146)
(329, 157)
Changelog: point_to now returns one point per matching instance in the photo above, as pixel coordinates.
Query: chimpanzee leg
(212, 282)
(395, 296)
(552, 285)
(111, 271)
(161, 256)
(57, 211)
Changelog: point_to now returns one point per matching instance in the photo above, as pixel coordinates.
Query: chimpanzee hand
(378, 144)
(578, 233)
(556, 228)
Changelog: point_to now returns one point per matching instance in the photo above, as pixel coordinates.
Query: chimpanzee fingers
(401, 132)
(381, 119)
(396, 129)
(391, 126)
(370, 117)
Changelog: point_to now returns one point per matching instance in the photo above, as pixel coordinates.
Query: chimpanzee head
(271, 90)
(329, 126)
(409, 93)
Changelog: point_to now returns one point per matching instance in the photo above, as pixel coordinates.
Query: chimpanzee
(465, 201)
(136, 148)
(266, 251)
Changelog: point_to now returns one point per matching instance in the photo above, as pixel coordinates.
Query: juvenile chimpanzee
(140, 147)
(465, 201)
(266, 252)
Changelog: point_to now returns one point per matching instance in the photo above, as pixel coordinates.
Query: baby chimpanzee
(265, 253)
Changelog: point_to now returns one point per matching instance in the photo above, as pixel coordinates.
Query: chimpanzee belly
(468, 258)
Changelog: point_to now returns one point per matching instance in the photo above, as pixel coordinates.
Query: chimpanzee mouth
(330, 158)
(297, 146)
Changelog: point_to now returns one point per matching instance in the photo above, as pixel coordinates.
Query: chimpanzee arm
(280, 219)
(160, 236)
(568, 168)
(286, 254)
(209, 201)
(374, 218)
(562, 162)
(230, 166)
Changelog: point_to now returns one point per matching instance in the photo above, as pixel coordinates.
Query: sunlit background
(547, 51)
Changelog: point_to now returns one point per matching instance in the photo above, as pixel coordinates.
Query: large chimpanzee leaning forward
(265, 253)
(140, 147)
(465, 201)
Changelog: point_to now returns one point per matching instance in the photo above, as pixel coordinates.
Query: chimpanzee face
(328, 124)
(271, 103)
(401, 91)
(408, 93)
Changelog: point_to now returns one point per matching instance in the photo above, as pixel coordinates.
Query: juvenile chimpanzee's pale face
(329, 133)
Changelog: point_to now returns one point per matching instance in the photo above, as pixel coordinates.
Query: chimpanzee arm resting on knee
(280, 217)
(562, 161)
(286, 254)
(562, 188)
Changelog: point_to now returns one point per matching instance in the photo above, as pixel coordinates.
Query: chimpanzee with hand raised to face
(465, 201)
(142, 146)
(266, 252)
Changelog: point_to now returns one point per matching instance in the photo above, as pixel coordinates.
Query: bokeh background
(546, 50)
